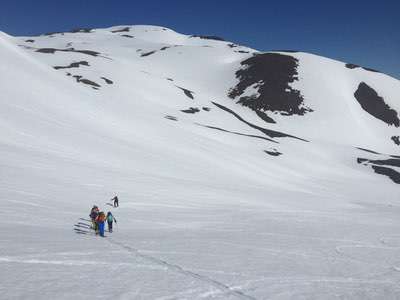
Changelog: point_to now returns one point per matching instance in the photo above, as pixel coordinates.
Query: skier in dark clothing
(93, 215)
(110, 220)
(115, 201)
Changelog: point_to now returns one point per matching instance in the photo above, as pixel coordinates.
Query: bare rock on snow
(375, 105)
(73, 65)
(270, 74)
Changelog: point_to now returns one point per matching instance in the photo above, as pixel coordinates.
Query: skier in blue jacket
(110, 220)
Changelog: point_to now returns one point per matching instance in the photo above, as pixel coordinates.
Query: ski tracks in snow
(178, 269)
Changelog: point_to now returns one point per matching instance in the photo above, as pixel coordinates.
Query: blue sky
(361, 32)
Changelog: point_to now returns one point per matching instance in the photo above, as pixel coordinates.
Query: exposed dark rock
(170, 79)
(154, 51)
(375, 105)
(238, 133)
(125, 29)
(148, 53)
(191, 110)
(127, 36)
(86, 81)
(108, 81)
(231, 45)
(264, 116)
(354, 66)
(268, 132)
(242, 51)
(381, 167)
(371, 70)
(171, 118)
(208, 37)
(381, 162)
(271, 74)
(273, 153)
(82, 30)
(73, 65)
(367, 150)
(54, 32)
(188, 93)
(29, 41)
(392, 174)
(76, 30)
(54, 50)
(396, 140)
(206, 108)
(69, 74)
(288, 51)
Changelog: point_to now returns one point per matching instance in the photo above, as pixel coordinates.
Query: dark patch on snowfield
(187, 92)
(232, 45)
(396, 140)
(288, 51)
(169, 79)
(375, 105)
(125, 29)
(108, 81)
(191, 110)
(86, 81)
(274, 152)
(392, 174)
(270, 74)
(54, 50)
(206, 108)
(154, 51)
(393, 162)
(81, 30)
(53, 33)
(148, 53)
(73, 65)
(238, 133)
(367, 150)
(127, 36)
(208, 37)
(381, 167)
(268, 132)
(75, 30)
(172, 118)
(265, 117)
(242, 51)
(354, 66)
(29, 41)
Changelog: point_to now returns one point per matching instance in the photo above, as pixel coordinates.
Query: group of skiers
(99, 218)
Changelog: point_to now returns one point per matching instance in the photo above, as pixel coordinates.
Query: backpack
(110, 218)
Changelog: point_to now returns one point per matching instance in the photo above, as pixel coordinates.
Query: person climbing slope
(101, 218)
(110, 220)
(115, 201)
(93, 215)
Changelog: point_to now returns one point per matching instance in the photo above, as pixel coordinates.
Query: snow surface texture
(234, 183)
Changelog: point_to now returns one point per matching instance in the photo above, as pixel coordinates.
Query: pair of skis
(84, 228)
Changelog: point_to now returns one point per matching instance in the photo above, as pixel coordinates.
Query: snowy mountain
(240, 173)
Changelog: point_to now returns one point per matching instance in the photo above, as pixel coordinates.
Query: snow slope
(241, 174)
